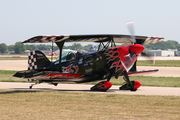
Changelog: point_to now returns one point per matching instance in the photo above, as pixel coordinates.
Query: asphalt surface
(143, 90)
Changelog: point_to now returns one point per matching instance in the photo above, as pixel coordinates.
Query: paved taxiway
(143, 90)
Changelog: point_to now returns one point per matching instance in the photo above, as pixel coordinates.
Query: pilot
(71, 56)
(78, 54)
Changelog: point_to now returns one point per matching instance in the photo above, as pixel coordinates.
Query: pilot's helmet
(93, 48)
(79, 53)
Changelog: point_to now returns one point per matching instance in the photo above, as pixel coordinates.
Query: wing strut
(60, 45)
(126, 78)
(103, 46)
(52, 56)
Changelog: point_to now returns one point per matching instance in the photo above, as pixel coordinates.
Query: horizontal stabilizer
(46, 75)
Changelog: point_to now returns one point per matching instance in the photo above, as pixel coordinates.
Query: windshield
(65, 56)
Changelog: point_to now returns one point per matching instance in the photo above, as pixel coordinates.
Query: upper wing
(94, 38)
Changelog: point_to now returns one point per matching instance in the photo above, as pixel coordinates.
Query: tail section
(37, 60)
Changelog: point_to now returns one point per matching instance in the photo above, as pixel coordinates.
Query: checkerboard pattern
(32, 62)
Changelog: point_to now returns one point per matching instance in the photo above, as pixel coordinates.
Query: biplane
(101, 65)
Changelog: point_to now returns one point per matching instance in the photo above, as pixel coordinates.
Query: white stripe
(34, 59)
(52, 38)
(124, 66)
(44, 38)
(35, 67)
(30, 61)
(65, 37)
(34, 52)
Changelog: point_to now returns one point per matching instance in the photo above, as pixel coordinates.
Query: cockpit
(70, 55)
(66, 55)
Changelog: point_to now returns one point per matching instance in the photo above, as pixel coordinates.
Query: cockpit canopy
(67, 55)
(71, 54)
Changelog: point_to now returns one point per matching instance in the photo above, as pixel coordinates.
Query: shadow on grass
(18, 91)
(26, 90)
(71, 90)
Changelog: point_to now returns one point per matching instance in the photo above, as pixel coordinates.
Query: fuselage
(89, 67)
(98, 65)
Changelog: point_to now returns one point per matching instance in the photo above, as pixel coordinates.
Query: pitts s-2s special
(107, 62)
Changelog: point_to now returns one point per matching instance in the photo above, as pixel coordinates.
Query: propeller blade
(149, 57)
(130, 26)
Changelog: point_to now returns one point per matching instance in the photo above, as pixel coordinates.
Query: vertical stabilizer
(37, 60)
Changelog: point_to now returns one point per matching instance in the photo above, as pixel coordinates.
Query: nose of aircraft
(137, 48)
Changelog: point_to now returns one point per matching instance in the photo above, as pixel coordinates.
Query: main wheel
(102, 86)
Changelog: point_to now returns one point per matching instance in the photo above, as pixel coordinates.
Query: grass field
(22, 58)
(46, 105)
(164, 63)
(7, 76)
(10, 58)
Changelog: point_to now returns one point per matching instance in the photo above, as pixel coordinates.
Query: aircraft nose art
(137, 48)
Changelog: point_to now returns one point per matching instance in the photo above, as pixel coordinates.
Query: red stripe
(64, 75)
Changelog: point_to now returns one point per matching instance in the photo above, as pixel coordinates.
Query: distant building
(167, 53)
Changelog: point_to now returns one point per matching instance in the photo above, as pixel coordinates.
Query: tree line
(20, 48)
(164, 45)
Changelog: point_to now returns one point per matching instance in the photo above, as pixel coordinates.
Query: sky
(23, 19)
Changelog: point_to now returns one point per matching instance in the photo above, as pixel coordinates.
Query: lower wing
(137, 73)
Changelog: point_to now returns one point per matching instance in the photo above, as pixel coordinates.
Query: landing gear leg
(30, 87)
(128, 85)
(110, 76)
(55, 84)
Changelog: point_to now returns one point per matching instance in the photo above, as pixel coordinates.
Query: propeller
(149, 56)
(133, 52)
(130, 26)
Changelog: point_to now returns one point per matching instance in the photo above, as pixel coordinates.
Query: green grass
(150, 81)
(10, 58)
(164, 63)
(7, 72)
(22, 58)
(7, 76)
(49, 105)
